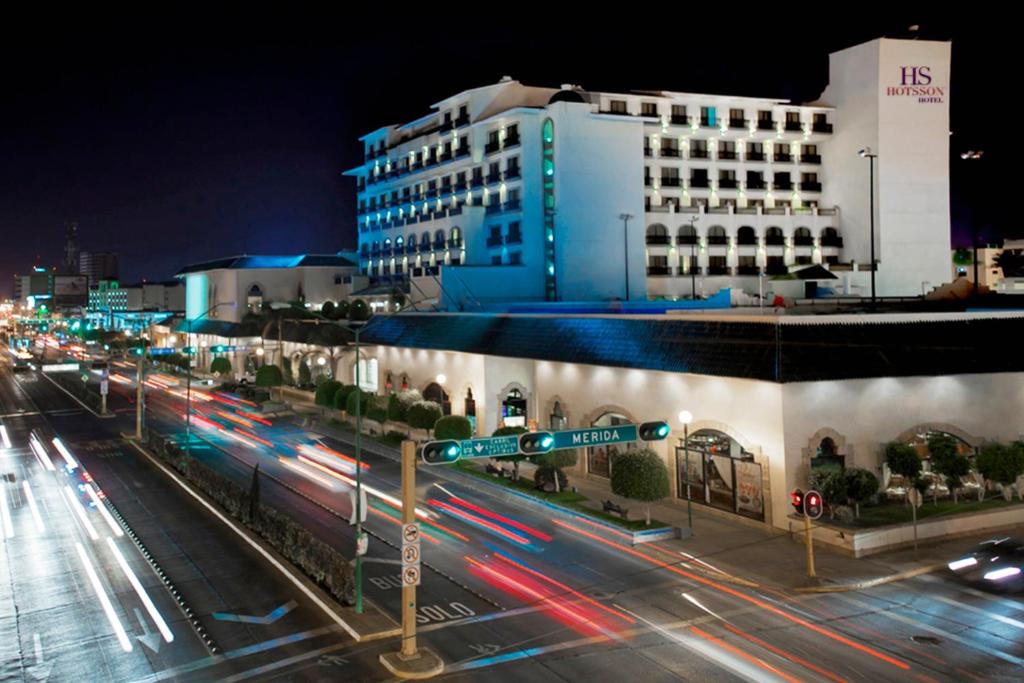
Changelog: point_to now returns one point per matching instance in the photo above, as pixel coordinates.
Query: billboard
(71, 290)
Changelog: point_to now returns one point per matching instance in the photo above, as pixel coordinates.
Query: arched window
(600, 458)
(439, 240)
(830, 238)
(399, 243)
(410, 244)
(802, 237)
(774, 236)
(714, 469)
(716, 235)
(557, 419)
(367, 374)
(657, 234)
(513, 409)
(254, 298)
(827, 455)
(746, 235)
(687, 234)
(436, 393)
(425, 241)
(470, 409)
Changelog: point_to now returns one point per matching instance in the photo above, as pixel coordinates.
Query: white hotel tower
(510, 192)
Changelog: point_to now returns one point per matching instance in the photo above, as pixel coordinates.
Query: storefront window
(600, 459)
(894, 486)
(721, 474)
(513, 409)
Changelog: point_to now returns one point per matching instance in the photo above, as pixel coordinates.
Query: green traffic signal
(441, 452)
(654, 431)
(533, 443)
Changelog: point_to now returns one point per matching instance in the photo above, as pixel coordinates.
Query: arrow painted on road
(269, 618)
(150, 640)
(40, 671)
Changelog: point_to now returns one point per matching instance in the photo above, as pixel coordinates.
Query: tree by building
(904, 461)
(424, 415)
(947, 462)
(550, 466)
(269, 376)
(453, 427)
(359, 310)
(327, 310)
(861, 486)
(516, 458)
(640, 475)
(220, 366)
(1001, 464)
(325, 391)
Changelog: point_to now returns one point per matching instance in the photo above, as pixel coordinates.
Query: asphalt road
(519, 595)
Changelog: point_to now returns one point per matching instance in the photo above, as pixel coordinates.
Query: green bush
(341, 310)
(947, 462)
(550, 479)
(269, 376)
(220, 366)
(341, 396)
(556, 460)
(516, 458)
(903, 460)
(640, 475)
(358, 402)
(1001, 463)
(830, 482)
(394, 438)
(423, 415)
(396, 411)
(325, 393)
(359, 310)
(861, 486)
(327, 310)
(377, 410)
(453, 427)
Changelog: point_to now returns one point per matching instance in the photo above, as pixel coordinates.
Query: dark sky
(175, 139)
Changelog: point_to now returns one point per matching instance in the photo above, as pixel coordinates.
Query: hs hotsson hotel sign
(916, 81)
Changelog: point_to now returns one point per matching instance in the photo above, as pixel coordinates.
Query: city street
(513, 589)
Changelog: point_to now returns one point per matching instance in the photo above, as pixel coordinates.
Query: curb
(870, 583)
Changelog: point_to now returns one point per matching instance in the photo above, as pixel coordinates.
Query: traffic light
(217, 348)
(188, 350)
(534, 443)
(654, 431)
(813, 504)
(441, 452)
(136, 351)
(797, 499)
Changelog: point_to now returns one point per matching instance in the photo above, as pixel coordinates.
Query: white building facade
(512, 192)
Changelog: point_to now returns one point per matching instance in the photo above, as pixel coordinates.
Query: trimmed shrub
(904, 461)
(516, 458)
(550, 479)
(359, 310)
(220, 366)
(396, 411)
(325, 392)
(1002, 464)
(269, 376)
(556, 460)
(947, 462)
(453, 427)
(640, 475)
(341, 396)
(341, 310)
(423, 415)
(327, 310)
(861, 486)
(358, 401)
(377, 410)
(830, 482)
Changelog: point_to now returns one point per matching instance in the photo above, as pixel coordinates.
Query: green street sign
(595, 436)
(492, 447)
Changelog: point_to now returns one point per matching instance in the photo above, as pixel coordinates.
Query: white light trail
(307, 472)
(80, 512)
(40, 453)
(62, 449)
(108, 608)
(8, 528)
(238, 438)
(165, 631)
(107, 517)
(40, 527)
(4, 438)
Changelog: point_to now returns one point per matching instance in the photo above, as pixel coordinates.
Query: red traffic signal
(814, 505)
(797, 499)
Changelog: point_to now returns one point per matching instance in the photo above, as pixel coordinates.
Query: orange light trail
(473, 519)
(740, 653)
(782, 653)
(493, 515)
(731, 591)
(336, 454)
(252, 436)
(234, 418)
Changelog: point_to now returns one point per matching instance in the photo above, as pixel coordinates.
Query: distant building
(98, 265)
(989, 274)
(515, 192)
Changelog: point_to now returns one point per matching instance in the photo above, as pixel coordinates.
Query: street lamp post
(974, 155)
(188, 373)
(866, 152)
(624, 217)
(693, 258)
(686, 417)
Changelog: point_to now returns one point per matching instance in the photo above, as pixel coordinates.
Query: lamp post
(188, 373)
(866, 153)
(686, 417)
(974, 155)
(624, 217)
(693, 258)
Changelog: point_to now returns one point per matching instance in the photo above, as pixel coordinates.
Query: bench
(610, 507)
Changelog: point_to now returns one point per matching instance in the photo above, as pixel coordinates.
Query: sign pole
(408, 517)
(810, 545)
(139, 395)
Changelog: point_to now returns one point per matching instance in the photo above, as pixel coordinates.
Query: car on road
(996, 563)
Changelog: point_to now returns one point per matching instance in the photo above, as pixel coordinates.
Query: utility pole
(140, 394)
(625, 245)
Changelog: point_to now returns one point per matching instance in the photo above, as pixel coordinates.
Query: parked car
(996, 563)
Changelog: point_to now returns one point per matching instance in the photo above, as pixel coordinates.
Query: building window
(557, 420)
(617, 106)
(713, 469)
(707, 117)
(679, 114)
(515, 258)
(496, 260)
(648, 108)
(513, 409)
(367, 374)
(254, 298)
(600, 458)
(548, 177)
(436, 393)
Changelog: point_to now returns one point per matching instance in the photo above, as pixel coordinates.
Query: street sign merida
(492, 447)
(595, 436)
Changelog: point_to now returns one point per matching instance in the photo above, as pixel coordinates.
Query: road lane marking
(1005, 602)
(65, 453)
(154, 613)
(104, 512)
(268, 618)
(6, 440)
(978, 610)
(40, 527)
(104, 599)
(79, 511)
(8, 527)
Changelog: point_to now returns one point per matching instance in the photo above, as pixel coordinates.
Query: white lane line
(80, 512)
(5, 515)
(62, 449)
(108, 608)
(978, 610)
(165, 631)
(6, 440)
(40, 527)
(1005, 602)
(40, 453)
(108, 518)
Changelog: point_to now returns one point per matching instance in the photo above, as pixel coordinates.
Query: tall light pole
(693, 258)
(624, 217)
(686, 417)
(866, 153)
(188, 373)
(974, 155)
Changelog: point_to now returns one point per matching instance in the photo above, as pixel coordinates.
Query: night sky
(172, 140)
